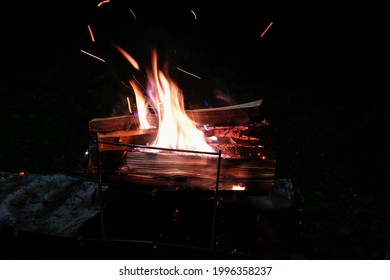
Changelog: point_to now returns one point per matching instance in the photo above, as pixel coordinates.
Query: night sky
(322, 73)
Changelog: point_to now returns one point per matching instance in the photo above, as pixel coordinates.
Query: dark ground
(324, 81)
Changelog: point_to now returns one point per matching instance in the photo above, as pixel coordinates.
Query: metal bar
(216, 200)
(157, 148)
(100, 190)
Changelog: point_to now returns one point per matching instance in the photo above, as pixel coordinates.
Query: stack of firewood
(242, 157)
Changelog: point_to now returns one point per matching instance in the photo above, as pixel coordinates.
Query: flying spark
(195, 17)
(129, 105)
(128, 57)
(133, 14)
(91, 33)
(135, 79)
(103, 2)
(262, 34)
(188, 73)
(94, 56)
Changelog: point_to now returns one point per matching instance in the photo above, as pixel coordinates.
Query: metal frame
(100, 182)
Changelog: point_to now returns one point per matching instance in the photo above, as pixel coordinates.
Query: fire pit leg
(100, 190)
(216, 200)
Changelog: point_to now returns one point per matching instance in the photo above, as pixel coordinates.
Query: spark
(195, 17)
(94, 56)
(103, 2)
(91, 33)
(188, 73)
(262, 34)
(135, 79)
(129, 105)
(133, 14)
(128, 57)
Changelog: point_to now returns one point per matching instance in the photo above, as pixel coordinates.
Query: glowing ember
(238, 187)
(165, 100)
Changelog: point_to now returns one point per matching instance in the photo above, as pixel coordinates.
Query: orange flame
(163, 96)
(176, 130)
(142, 106)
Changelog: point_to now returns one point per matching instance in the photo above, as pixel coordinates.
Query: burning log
(119, 123)
(247, 163)
(239, 114)
(228, 122)
(179, 171)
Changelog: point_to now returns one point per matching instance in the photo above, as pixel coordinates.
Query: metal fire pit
(189, 198)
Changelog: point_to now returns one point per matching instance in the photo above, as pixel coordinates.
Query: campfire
(161, 144)
(183, 174)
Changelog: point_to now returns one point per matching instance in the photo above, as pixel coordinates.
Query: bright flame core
(175, 129)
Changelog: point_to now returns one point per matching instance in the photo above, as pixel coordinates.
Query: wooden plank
(239, 114)
(138, 137)
(118, 123)
(190, 171)
(150, 184)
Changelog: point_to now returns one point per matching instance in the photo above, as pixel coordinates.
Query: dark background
(322, 73)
